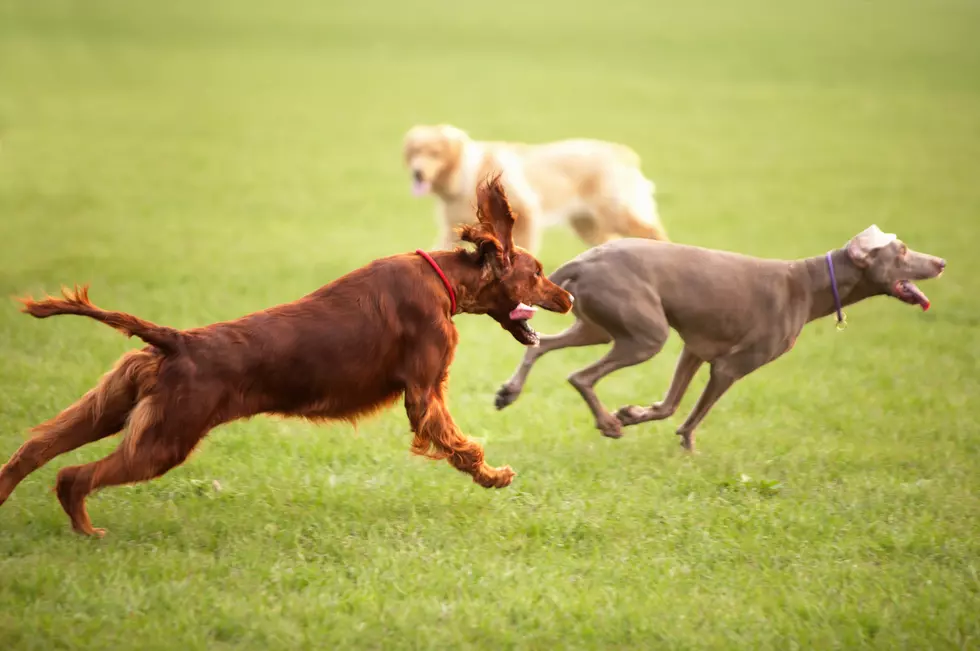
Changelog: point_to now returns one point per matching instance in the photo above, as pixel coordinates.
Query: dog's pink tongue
(522, 312)
(420, 188)
(918, 296)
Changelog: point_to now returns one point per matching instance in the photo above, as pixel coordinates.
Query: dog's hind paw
(630, 414)
(610, 427)
(505, 396)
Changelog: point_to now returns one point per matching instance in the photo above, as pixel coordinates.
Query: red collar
(445, 281)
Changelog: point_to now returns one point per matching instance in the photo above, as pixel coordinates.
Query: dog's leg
(529, 226)
(531, 239)
(625, 352)
(725, 371)
(717, 386)
(99, 413)
(437, 437)
(589, 229)
(581, 333)
(152, 447)
(687, 367)
(445, 240)
(654, 231)
(639, 210)
(445, 223)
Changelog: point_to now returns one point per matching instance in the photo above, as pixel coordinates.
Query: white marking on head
(872, 238)
(867, 242)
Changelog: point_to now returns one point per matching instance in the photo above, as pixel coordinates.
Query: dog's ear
(411, 137)
(863, 246)
(489, 250)
(494, 213)
(453, 141)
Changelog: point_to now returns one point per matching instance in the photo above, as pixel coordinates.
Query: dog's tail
(167, 340)
(565, 275)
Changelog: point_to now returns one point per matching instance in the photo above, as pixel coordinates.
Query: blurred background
(195, 161)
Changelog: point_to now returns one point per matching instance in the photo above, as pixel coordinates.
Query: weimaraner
(733, 311)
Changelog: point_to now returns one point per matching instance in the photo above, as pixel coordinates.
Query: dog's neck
(466, 277)
(851, 284)
(460, 183)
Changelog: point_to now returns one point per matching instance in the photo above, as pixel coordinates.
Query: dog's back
(691, 284)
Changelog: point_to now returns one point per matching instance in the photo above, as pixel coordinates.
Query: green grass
(197, 161)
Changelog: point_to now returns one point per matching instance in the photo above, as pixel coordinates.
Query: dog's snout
(417, 175)
(940, 264)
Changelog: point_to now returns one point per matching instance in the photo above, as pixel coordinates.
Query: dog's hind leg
(581, 333)
(153, 446)
(687, 366)
(639, 210)
(438, 437)
(639, 329)
(99, 413)
(654, 231)
(590, 230)
(626, 351)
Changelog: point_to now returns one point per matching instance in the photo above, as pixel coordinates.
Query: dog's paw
(630, 414)
(506, 476)
(495, 477)
(687, 442)
(505, 396)
(90, 532)
(610, 427)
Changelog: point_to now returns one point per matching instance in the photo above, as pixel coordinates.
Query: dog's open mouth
(420, 186)
(519, 326)
(905, 290)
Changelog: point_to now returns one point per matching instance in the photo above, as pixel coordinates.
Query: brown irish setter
(347, 349)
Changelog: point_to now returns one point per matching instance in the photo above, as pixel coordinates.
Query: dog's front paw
(495, 477)
(687, 442)
(506, 395)
(506, 476)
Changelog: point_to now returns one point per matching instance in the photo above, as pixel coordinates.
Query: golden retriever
(595, 186)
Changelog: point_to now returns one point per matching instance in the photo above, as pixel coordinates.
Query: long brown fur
(348, 349)
(77, 302)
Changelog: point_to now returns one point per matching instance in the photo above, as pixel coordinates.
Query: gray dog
(734, 312)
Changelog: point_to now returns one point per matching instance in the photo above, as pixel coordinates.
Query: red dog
(348, 349)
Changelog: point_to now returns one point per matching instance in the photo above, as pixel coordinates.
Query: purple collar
(841, 321)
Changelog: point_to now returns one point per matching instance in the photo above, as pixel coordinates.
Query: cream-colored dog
(595, 186)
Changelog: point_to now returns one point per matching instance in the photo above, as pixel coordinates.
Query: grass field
(197, 161)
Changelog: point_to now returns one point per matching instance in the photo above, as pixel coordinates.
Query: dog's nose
(417, 175)
(941, 264)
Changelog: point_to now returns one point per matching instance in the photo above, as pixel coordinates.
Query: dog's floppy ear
(489, 250)
(493, 211)
(493, 232)
(863, 245)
